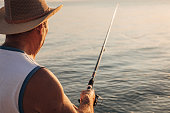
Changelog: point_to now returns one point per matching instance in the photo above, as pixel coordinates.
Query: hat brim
(6, 28)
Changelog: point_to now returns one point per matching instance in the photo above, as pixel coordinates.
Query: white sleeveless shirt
(16, 68)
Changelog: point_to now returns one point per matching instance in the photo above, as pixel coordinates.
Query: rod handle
(90, 83)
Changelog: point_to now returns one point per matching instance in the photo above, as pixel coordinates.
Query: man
(25, 86)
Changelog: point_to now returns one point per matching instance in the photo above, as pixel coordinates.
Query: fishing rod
(91, 81)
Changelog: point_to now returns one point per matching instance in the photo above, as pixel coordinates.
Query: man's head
(33, 40)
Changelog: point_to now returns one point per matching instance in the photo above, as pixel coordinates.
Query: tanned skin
(44, 93)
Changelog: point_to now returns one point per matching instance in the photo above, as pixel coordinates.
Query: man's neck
(20, 48)
(30, 47)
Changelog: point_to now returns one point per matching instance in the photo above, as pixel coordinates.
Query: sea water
(134, 73)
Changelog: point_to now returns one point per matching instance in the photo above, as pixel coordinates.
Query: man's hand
(87, 98)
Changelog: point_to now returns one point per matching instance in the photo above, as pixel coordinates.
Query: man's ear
(40, 29)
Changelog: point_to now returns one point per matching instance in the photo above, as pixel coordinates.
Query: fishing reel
(97, 97)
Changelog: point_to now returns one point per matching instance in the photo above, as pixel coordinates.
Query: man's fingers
(88, 91)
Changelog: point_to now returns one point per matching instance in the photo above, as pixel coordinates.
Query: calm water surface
(134, 74)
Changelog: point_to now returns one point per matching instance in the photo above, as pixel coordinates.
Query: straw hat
(23, 15)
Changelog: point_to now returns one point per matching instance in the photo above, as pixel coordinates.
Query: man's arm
(44, 94)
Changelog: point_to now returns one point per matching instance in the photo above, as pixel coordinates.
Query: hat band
(27, 20)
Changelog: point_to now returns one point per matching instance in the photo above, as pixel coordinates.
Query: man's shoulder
(44, 74)
(42, 89)
(43, 78)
